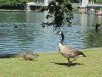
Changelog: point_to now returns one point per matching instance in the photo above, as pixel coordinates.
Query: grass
(53, 65)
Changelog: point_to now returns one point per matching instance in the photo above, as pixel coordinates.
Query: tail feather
(82, 54)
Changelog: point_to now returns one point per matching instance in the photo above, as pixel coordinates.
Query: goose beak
(58, 33)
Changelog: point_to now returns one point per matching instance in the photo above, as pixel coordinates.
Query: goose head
(59, 32)
(62, 36)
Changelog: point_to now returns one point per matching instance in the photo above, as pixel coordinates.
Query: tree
(62, 11)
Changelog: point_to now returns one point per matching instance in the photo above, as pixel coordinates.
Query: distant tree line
(20, 4)
(96, 1)
(13, 4)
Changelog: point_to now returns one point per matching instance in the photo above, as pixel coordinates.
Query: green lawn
(53, 65)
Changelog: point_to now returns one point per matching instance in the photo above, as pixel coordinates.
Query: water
(22, 31)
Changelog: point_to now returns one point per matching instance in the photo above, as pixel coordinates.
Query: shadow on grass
(8, 56)
(67, 64)
(34, 60)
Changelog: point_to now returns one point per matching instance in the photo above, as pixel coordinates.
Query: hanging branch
(62, 12)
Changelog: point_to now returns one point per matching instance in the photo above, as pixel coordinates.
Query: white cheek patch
(60, 46)
(60, 32)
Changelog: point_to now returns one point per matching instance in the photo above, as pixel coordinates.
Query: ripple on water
(21, 31)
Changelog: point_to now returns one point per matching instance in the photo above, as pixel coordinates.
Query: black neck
(62, 35)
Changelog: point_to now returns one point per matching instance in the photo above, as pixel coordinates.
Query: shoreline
(53, 65)
(4, 10)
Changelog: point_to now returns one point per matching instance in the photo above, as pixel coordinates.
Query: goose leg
(69, 62)
(74, 59)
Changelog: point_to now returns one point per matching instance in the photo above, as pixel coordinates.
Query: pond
(22, 31)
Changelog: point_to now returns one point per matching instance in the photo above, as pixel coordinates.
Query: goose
(97, 27)
(29, 56)
(67, 51)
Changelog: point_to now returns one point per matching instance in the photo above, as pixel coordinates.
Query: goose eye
(60, 32)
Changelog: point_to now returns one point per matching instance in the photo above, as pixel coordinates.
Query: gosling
(29, 56)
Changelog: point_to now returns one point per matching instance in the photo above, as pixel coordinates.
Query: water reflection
(22, 31)
(91, 36)
(10, 17)
(38, 17)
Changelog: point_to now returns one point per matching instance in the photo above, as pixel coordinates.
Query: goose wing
(70, 52)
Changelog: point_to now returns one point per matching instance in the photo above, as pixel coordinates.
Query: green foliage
(16, 2)
(10, 2)
(62, 11)
(13, 2)
(97, 1)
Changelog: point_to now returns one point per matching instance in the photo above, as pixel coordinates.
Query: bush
(13, 4)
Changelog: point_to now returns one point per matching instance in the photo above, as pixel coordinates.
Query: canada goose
(67, 51)
(29, 56)
(97, 27)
